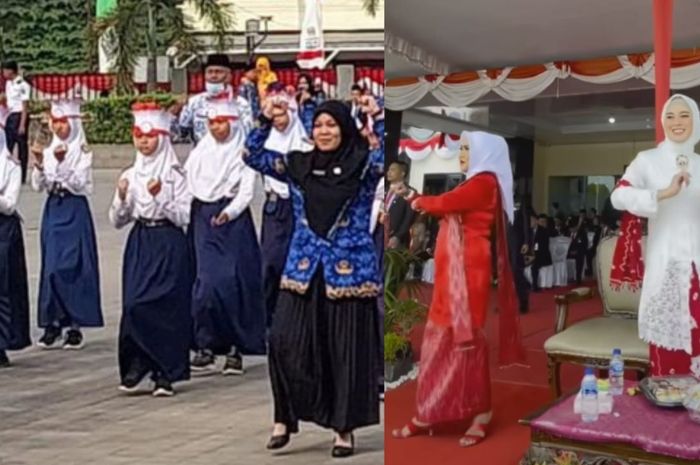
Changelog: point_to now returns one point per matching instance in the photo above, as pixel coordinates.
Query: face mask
(214, 88)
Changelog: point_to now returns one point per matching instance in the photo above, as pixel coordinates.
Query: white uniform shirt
(17, 92)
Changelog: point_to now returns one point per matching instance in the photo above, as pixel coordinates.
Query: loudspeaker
(178, 80)
(392, 136)
(346, 79)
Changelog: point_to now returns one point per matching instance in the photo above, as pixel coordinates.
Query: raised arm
(78, 179)
(121, 210)
(177, 200)
(478, 193)
(632, 193)
(262, 160)
(246, 191)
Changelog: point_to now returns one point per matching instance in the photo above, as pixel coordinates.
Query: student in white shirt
(227, 298)
(14, 294)
(69, 289)
(155, 330)
(17, 92)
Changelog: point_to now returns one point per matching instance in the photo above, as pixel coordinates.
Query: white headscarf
(293, 138)
(75, 145)
(687, 147)
(214, 169)
(488, 153)
(157, 167)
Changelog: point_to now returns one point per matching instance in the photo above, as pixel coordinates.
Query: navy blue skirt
(227, 297)
(14, 293)
(156, 327)
(69, 288)
(278, 225)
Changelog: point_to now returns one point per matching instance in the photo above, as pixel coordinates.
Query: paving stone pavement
(64, 408)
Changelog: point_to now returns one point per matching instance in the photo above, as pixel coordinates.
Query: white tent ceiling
(477, 34)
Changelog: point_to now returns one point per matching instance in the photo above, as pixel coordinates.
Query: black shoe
(4, 360)
(233, 365)
(131, 381)
(278, 442)
(341, 452)
(73, 340)
(204, 360)
(163, 389)
(48, 340)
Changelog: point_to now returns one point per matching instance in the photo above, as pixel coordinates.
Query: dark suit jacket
(400, 219)
(579, 244)
(540, 247)
(522, 233)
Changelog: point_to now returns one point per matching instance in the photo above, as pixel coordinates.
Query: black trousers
(12, 129)
(590, 255)
(535, 274)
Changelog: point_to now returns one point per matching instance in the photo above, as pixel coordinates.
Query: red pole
(663, 25)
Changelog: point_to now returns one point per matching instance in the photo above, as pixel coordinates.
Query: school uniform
(227, 297)
(155, 329)
(14, 294)
(69, 283)
(278, 214)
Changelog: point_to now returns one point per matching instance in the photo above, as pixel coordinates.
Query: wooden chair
(591, 342)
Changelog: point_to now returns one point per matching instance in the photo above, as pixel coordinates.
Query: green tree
(155, 25)
(46, 35)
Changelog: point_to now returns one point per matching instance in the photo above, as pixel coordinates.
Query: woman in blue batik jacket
(323, 341)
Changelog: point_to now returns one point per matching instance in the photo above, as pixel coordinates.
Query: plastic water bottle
(589, 397)
(616, 373)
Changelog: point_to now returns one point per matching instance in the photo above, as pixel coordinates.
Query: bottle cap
(617, 351)
(589, 371)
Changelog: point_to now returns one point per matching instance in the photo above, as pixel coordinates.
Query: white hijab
(76, 144)
(214, 169)
(687, 147)
(157, 166)
(293, 138)
(488, 153)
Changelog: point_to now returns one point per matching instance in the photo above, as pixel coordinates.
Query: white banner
(311, 54)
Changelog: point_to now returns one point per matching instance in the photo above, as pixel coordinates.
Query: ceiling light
(611, 120)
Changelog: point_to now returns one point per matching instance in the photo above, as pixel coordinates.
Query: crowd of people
(195, 277)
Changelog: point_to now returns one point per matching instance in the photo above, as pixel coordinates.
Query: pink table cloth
(668, 432)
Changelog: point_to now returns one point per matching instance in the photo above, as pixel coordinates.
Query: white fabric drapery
(454, 93)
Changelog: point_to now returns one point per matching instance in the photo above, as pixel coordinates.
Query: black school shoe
(4, 360)
(73, 340)
(233, 365)
(51, 335)
(163, 388)
(204, 360)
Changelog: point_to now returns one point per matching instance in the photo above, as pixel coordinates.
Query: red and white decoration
(311, 54)
(89, 86)
(526, 82)
(418, 147)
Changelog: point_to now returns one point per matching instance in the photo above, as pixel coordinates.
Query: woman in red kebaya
(454, 384)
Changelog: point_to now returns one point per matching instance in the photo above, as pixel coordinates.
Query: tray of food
(667, 391)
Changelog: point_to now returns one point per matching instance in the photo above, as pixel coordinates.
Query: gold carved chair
(591, 342)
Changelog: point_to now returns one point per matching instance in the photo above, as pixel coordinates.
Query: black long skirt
(278, 225)
(14, 293)
(156, 326)
(323, 360)
(227, 297)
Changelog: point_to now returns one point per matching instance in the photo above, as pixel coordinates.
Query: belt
(152, 223)
(58, 190)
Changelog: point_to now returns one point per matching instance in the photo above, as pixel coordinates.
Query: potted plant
(402, 312)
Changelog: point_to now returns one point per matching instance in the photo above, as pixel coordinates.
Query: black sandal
(341, 452)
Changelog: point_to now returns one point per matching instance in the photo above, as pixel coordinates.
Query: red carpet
(516, 392)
